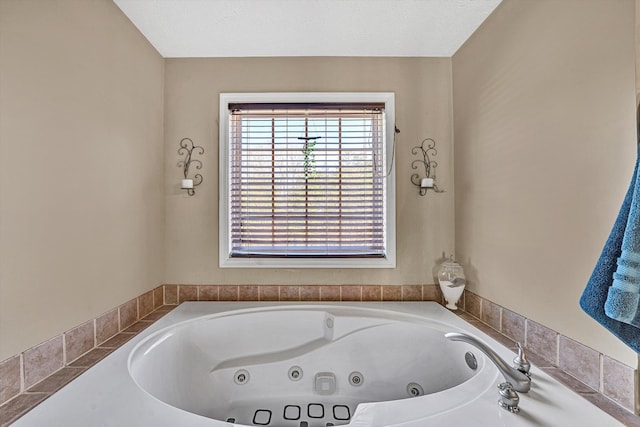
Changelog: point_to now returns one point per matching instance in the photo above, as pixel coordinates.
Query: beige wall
(423, 109)
(81, 166)
(544, 125)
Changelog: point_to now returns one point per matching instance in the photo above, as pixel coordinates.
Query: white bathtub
(315, 365)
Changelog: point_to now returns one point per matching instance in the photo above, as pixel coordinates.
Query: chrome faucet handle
(519, 381)
(520, 362)
(509, 399)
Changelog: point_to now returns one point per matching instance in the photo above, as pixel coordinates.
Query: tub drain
(415, 389)
(241, 377)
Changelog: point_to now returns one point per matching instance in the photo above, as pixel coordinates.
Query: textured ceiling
(246, 28)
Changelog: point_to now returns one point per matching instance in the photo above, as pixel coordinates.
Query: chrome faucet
(519, 380)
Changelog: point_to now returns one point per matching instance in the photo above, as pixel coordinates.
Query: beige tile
(208, 293)
(371, 293)
(118, 340)
(616, 411)
(145, 304)
(289, 293)
(107, 326)
(42, 360)
(187, 293)
(9, 378)
(128, 313)
(539, 361)
(248, 293)
(513, 325)
(467, 317)
(309, 293)
(158, 297)
(618, 382)
(91, 358)
(228, 293)
(491, 314)
(568, 381)
(55, 382)
(391, 293)
(507, 342)
(472, 304)
(350, 293)
(171, 294)
(160, 312)
(580, 361)
(330, 293)
(433, 293)
(19, 406)
(542, 341)
(411, 292)
(155, 315)
(79, 340)
(139, 326)
(269, 293)
(165, 309)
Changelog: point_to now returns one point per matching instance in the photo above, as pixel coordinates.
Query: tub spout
(519, 381)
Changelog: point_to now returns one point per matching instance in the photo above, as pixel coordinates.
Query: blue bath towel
(614, 281)
(624, 294)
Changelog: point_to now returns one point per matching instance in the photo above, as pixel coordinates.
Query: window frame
(225, 259)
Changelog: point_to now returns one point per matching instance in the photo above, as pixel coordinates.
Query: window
(304, 182)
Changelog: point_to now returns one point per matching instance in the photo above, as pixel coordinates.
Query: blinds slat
(295, 197)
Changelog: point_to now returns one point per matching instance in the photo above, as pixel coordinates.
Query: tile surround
(107, 326)
(146, 304)
(310, 293)
(29, 378)
(617, 379)
(288, 293)
(249, 293)
(269, 293)
(472, 304)
(128, 313)
(79, 340)
(491, 314)
(330, 293)
(603, 381)
(187, 293)
(171, 294)
(207, 293)
(542, 341)
(42, 360)
(228, 293)
(391, 293)
(580, 361)
(512, 325)
(10, 378)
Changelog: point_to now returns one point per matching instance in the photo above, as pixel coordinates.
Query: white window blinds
(307, 180)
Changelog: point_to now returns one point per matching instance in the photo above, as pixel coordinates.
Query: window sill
(387, 262)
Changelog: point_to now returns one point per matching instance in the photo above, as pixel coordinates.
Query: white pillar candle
(187, 184)
(426, 183)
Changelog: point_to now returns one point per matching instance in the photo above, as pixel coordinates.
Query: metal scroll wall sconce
(428, 150)
(187, 148)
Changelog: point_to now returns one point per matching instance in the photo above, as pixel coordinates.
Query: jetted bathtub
(288, 366)
(306, 365)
